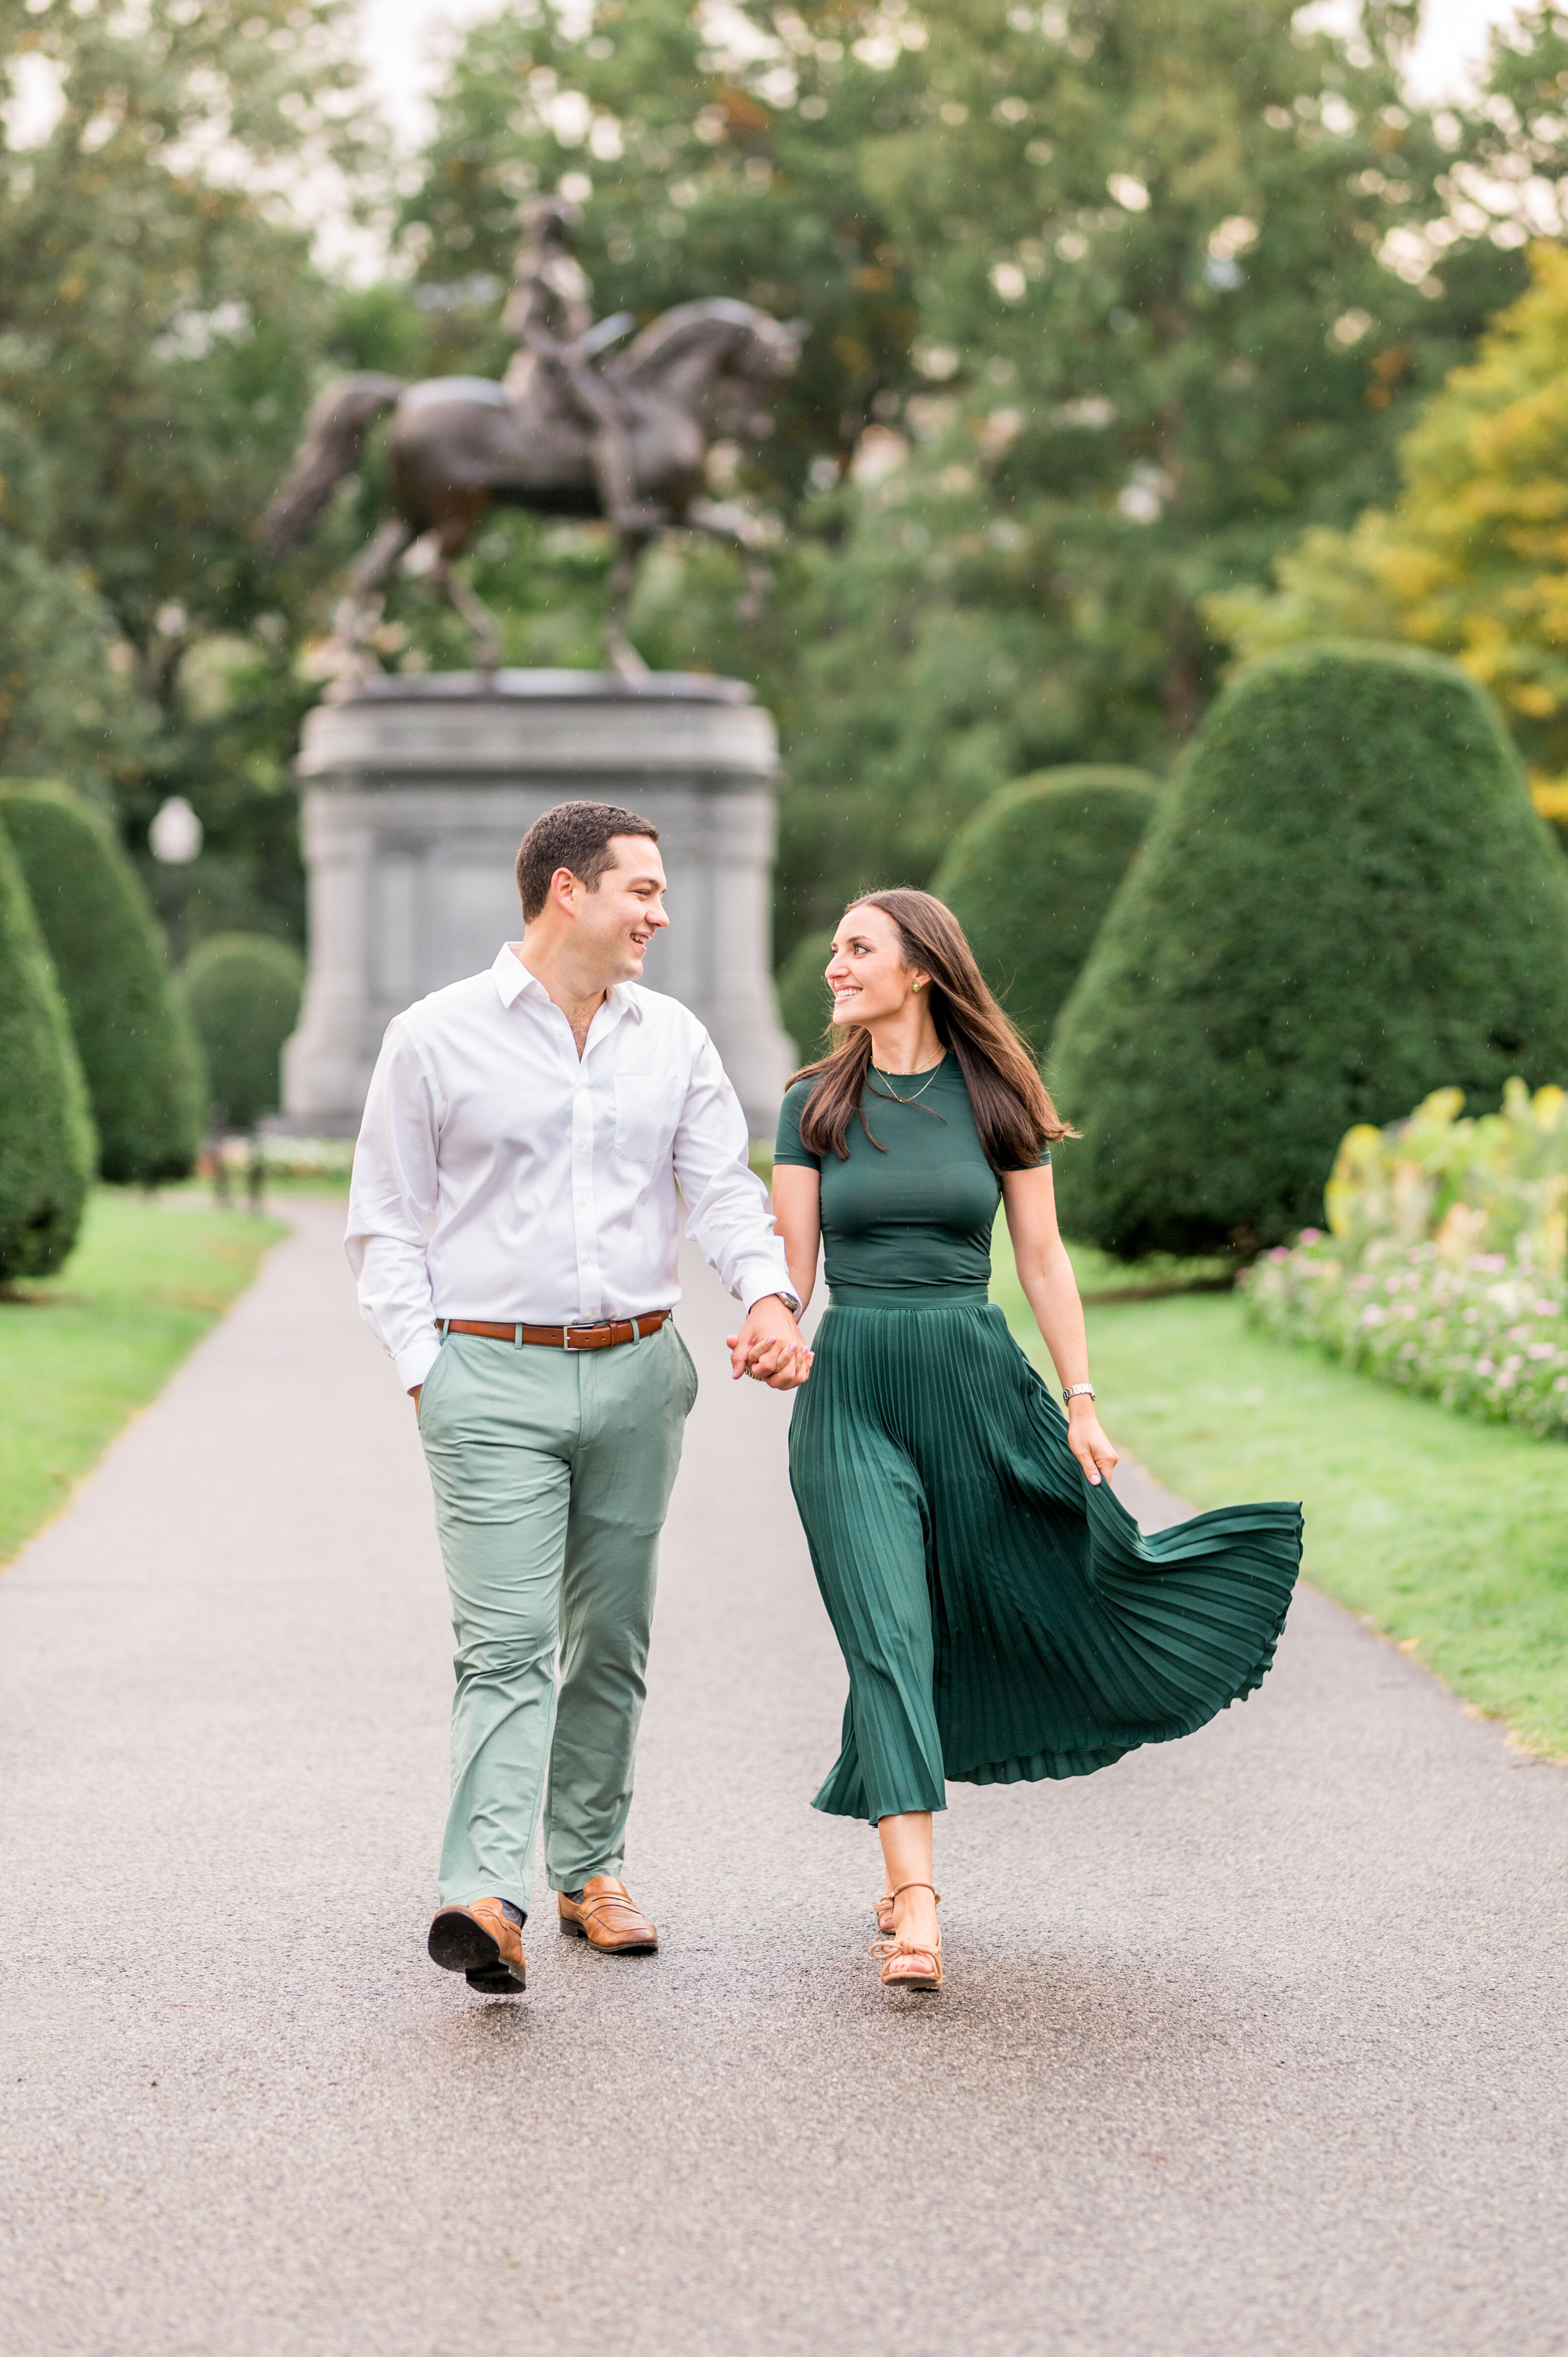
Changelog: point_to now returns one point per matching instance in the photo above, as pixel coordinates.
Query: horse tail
(333, 434)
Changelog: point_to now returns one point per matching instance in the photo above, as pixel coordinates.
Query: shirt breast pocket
(647, 1106)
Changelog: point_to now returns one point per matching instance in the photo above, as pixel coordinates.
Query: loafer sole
(458, 1945)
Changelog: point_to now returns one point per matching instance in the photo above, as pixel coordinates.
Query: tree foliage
(161, 329)
(133, 1037)
(1344, 903)
(1473, 556)
(46, 1145)
(1031, 875)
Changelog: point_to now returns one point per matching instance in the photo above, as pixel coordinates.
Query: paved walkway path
(1252, 2044)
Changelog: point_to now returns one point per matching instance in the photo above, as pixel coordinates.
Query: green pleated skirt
(1001, 1619)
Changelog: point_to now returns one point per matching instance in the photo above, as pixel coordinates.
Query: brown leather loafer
(478, 1940)
(608, 1918)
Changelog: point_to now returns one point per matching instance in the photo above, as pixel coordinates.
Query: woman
(1000, 1616)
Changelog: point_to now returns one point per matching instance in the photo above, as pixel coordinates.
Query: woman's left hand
(1088, 1443)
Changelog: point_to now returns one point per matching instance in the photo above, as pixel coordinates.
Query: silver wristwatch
(1076, 1390)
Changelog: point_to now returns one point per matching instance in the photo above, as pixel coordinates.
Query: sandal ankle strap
(931, 1886)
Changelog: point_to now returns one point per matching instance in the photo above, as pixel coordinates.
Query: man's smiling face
(618, 919)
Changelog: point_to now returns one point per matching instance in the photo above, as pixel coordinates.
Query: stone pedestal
(417, 794)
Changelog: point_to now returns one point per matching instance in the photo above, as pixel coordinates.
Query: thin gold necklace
(889, 1077)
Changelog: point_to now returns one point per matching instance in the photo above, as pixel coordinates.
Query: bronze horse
(700, 372)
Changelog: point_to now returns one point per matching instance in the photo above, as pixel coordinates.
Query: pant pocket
(434, 1381)
(688, 1369)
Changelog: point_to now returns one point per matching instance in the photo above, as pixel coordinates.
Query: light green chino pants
(551, 1471)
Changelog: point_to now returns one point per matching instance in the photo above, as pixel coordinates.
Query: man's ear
(564, 886)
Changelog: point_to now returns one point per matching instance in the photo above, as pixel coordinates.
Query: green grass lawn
(81, 1352)
(1450, 1535)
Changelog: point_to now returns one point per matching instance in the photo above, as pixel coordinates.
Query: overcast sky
(405, 42)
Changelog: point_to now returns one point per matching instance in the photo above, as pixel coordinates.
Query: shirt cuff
(414, 1363)
(757, 1284)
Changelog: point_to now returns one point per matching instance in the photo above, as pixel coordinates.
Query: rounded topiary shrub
(1032, 873)
(1345, 901)
(805, 1002)
(244, 991)
(47, 1146)
(137, 1049)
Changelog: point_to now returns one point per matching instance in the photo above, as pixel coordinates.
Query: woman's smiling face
(866, 971)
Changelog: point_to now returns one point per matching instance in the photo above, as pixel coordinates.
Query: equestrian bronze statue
(574, 429)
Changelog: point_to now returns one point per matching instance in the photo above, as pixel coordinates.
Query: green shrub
(805, 1002)
(244, 991)
(47, 1146)
(138, 1050)
(1031, 875)
(1346, 901)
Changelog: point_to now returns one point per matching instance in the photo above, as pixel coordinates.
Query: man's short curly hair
(575, 836)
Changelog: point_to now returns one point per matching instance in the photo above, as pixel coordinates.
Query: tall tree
(161, 326)
(1472, 557)
(1177, 301)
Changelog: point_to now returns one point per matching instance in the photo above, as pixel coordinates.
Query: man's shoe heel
(496, 1980)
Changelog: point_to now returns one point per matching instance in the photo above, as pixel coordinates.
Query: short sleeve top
(910, 1226)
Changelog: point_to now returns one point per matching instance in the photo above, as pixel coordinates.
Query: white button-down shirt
(499, 1178)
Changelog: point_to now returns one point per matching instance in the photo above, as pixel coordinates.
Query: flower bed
(1443, 1271)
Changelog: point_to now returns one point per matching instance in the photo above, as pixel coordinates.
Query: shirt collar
(513, 981)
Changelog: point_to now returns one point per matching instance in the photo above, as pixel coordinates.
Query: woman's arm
(798, 1217)
(1050, 1289)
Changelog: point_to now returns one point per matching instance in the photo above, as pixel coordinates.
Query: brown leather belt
(605, 1337)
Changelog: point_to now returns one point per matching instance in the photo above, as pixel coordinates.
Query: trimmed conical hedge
(805, 1002)
(136, 1045)
(1346, 901)
(1032, 873)
(47, 1146)
(244, 991)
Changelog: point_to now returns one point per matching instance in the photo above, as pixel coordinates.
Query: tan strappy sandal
(882, 1914)
(892, 1949)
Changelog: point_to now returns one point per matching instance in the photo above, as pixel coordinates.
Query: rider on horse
(549, 313)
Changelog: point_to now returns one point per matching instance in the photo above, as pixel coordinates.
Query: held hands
(768, 1347)
(1088, 1442)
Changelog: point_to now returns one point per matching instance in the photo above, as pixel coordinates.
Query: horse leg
(472, 609)
(451, 539)
(625, 661)
(723, 521)
(361, 610)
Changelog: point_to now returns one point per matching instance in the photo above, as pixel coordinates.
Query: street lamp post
(175, 839)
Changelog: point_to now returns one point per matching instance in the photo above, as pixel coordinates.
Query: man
(549, 311)
(512, 1227)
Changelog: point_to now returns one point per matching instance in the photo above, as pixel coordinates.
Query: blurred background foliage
(1110, 301)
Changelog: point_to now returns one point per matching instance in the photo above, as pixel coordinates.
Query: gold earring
(915, 986)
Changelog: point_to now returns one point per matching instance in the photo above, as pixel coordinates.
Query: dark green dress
(1000, 1619)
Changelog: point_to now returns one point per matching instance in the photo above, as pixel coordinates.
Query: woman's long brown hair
(1011, 1111)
